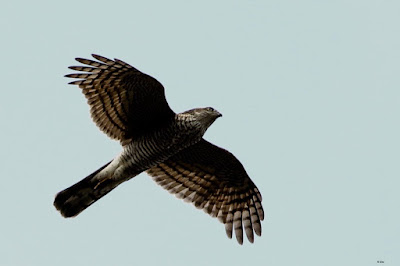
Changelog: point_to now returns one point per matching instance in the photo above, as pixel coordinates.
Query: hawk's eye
(210, 109)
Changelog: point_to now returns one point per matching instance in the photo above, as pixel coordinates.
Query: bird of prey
(130, 106)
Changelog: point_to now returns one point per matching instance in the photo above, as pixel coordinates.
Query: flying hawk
(130, 106)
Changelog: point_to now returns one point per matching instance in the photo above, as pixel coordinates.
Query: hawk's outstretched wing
(124, 102)
(215, 181)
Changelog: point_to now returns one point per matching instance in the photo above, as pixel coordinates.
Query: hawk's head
(204, 116)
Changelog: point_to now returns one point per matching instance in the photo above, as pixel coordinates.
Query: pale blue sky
(310, 95)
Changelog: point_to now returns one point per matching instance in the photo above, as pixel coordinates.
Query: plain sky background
(310, 95)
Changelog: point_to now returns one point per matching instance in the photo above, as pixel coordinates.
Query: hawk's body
(131, 107)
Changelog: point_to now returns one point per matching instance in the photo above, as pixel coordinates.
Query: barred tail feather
(73, 200)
